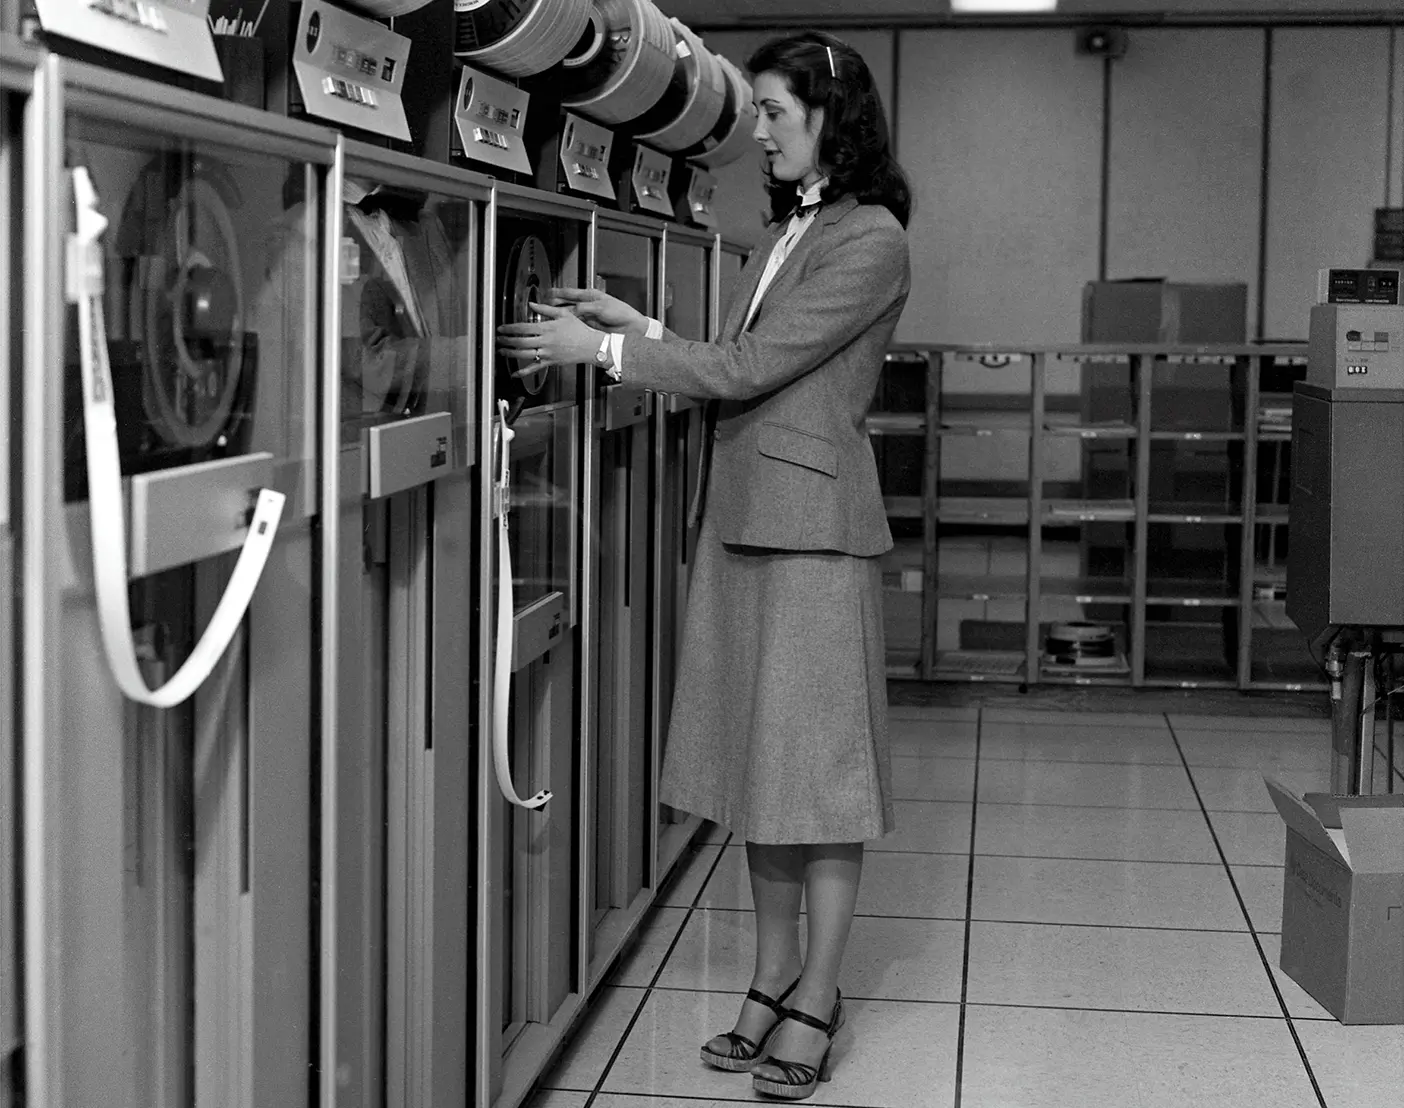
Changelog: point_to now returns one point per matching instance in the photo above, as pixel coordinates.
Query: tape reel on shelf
(732, 137)
(696, 96)
(624, 67)
(527, 279)
(520, 39)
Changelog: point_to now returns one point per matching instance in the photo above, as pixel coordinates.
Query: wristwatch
(603, 356)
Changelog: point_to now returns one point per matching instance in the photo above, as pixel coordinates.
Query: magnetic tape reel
(687, 112)
(183, 363)
(1080, 643)
(527, 280)
(732, 137)
(624, 68)
(519, 37)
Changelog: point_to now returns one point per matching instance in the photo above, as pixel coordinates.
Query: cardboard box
(1155, 310)
(1343, 902)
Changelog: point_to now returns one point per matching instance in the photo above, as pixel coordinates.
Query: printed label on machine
(650, 177)
(585, 157)
(491, 117)
(351, 70)
(701, 191)
(173, 35)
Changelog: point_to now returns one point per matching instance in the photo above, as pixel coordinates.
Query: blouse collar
(809, 197)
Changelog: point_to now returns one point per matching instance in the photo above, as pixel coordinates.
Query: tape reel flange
(733, 135)
(519, 38)
(387, 9)
(631, 68)
(696, 96)
(528, 279)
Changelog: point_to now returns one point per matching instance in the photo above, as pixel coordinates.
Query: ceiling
(705, 14)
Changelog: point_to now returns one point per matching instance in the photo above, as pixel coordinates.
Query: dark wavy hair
(855, 147)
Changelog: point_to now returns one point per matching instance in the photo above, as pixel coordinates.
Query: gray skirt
(779, 723)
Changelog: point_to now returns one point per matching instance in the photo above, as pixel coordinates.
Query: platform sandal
(741, 1054)
(798, 1079)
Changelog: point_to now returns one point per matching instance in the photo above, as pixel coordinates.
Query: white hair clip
(832, 72)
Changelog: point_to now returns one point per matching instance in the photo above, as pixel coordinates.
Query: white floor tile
(628, 1100)
(933, 778)
(1134, 1060)
(928, 827)
(1077, 743)
(556, 1098)
(1125, 834)
(655, 937)
(924, 738)
(1198, 973)
(939, 712)
(887, 1052)
(689, 877)
(1242, 790)
(1261, 888)
(1069, 719)
(1117, 894)
(1265, 722)
(886, 959)
(1090, 784)
(1357, 1067)
(1265, 751)
(592, 1045)
(1251, 838)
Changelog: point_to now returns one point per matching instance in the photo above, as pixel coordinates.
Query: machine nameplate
(584, 153)
(174, 35)
(351, 70)
(491, 118)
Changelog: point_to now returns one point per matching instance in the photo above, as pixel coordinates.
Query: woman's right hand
(600, 310)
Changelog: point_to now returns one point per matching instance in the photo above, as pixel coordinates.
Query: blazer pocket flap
(790, 444)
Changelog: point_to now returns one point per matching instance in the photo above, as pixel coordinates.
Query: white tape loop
(502, 667)
(109, 528)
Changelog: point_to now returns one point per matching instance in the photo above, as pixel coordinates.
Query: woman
(779, 727)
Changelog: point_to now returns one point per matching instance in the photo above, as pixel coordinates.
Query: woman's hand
(601, 310)
(556, 338)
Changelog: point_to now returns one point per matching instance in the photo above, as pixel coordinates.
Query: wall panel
(1186, 157)
(741, 196)
(1000, 131)
(1328, 162)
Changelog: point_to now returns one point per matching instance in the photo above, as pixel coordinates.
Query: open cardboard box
(1343, 902)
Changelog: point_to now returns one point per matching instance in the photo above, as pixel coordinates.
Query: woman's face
(790, 141)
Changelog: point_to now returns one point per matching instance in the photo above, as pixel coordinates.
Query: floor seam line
(1252, 929)
(959, 1078)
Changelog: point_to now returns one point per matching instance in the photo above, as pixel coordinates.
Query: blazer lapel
(828, 215)
(747, 282)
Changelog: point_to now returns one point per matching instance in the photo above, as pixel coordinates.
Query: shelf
(981, 587)
(980, 665)
(903, 507)
(896, 423)
(1110, 430)
(1197, 436)
(970, 430)
(1088, 511)
(1193, 513)
(1088, 590)
(1121, 680)
(1190, 594)
(983, 509)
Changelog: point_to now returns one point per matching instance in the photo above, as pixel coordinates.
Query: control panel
(351, 70)
(1357, 286)
(1357, 346)
(491, 117)
(169, 33)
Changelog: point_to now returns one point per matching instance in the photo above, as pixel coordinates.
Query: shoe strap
(795, 1073)
(741, 1047)
(775, 1004)
(828, 1027)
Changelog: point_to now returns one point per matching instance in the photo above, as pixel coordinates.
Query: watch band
(602, 355)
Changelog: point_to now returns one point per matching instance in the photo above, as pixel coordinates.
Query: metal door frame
(65, 86)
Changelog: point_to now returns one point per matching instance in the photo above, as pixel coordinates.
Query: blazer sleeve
(859, 273)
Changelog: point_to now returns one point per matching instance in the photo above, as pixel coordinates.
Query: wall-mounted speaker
(1102, 42)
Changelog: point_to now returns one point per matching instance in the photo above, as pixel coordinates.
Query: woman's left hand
(556, 338)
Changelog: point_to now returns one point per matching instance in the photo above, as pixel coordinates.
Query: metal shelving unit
(1209, 614)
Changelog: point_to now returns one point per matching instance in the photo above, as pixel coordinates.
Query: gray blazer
(787, 463)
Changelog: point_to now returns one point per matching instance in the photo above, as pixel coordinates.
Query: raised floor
(1081, 907)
